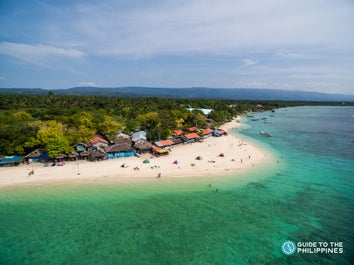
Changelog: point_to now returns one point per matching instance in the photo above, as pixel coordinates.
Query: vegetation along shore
(54, 129)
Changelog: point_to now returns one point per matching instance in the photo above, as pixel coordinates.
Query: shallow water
(307, 196)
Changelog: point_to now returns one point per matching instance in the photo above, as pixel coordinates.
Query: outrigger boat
(266, 134)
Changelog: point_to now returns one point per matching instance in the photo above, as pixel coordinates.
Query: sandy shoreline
(239, 155)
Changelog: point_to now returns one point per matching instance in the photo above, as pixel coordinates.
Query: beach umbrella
(199, 158)
(146, 161)
(221, 154)
(175, 162)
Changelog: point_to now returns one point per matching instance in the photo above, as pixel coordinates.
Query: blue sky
(281, 44)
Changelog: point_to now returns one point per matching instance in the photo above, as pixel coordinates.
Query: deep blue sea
(306, 195)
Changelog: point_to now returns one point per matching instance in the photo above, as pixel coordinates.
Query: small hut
(157, 151)
(81, 147)
(122, 138)
(140, 135)
(84, 155)
(73, 155)
(38, 155)
(119, 150)
(178, 140)
(142, 146)
(96, 154)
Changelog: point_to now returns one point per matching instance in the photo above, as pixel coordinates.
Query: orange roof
(192, 136)
(193, 129)
(158, 149)
(166, 142)
(155, 148)
(177, 132)
(207, 131)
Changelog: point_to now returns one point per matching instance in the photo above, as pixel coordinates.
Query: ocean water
(306, 195)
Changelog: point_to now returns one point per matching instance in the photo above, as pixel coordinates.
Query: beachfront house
(179, 140)
(73, 155)
(142, 146)
(117, 150)
(82, 150)
(192, 137)
(81, 147)
(157, 151)
(207, 132)
(140, 135)
(98, 141)
(193, 129)
(84, 155)
(177, 133)
(96, 154)
(38, 155)
(165, 144)
(218, 132)
(123, 138)
(10, 161)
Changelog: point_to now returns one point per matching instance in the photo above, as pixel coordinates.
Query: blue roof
(9, 159)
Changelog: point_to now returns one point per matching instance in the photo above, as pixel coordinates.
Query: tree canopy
(58, 122)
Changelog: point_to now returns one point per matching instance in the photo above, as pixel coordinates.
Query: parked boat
(266, 134)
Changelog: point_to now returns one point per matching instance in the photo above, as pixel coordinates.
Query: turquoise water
(307, 196)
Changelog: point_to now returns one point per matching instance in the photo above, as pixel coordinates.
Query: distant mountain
(194, 92)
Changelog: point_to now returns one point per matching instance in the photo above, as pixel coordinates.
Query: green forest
(56, 122)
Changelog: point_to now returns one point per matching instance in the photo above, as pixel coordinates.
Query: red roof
(207, 131)
(98, 139)
(192, 136)
(193, 129)
(166, 142)
(177, 132)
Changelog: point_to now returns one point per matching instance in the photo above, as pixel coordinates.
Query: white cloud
(292, 55)
(204, 27)
(268, 43)
(36, 54)
(248, 62)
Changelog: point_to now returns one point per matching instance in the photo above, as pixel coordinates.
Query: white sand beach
(238, 155)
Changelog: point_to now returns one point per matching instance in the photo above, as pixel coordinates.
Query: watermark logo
(288, 247)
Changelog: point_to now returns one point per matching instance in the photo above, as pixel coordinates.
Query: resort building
(165, 144)
(192, 137)
(206, 112)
